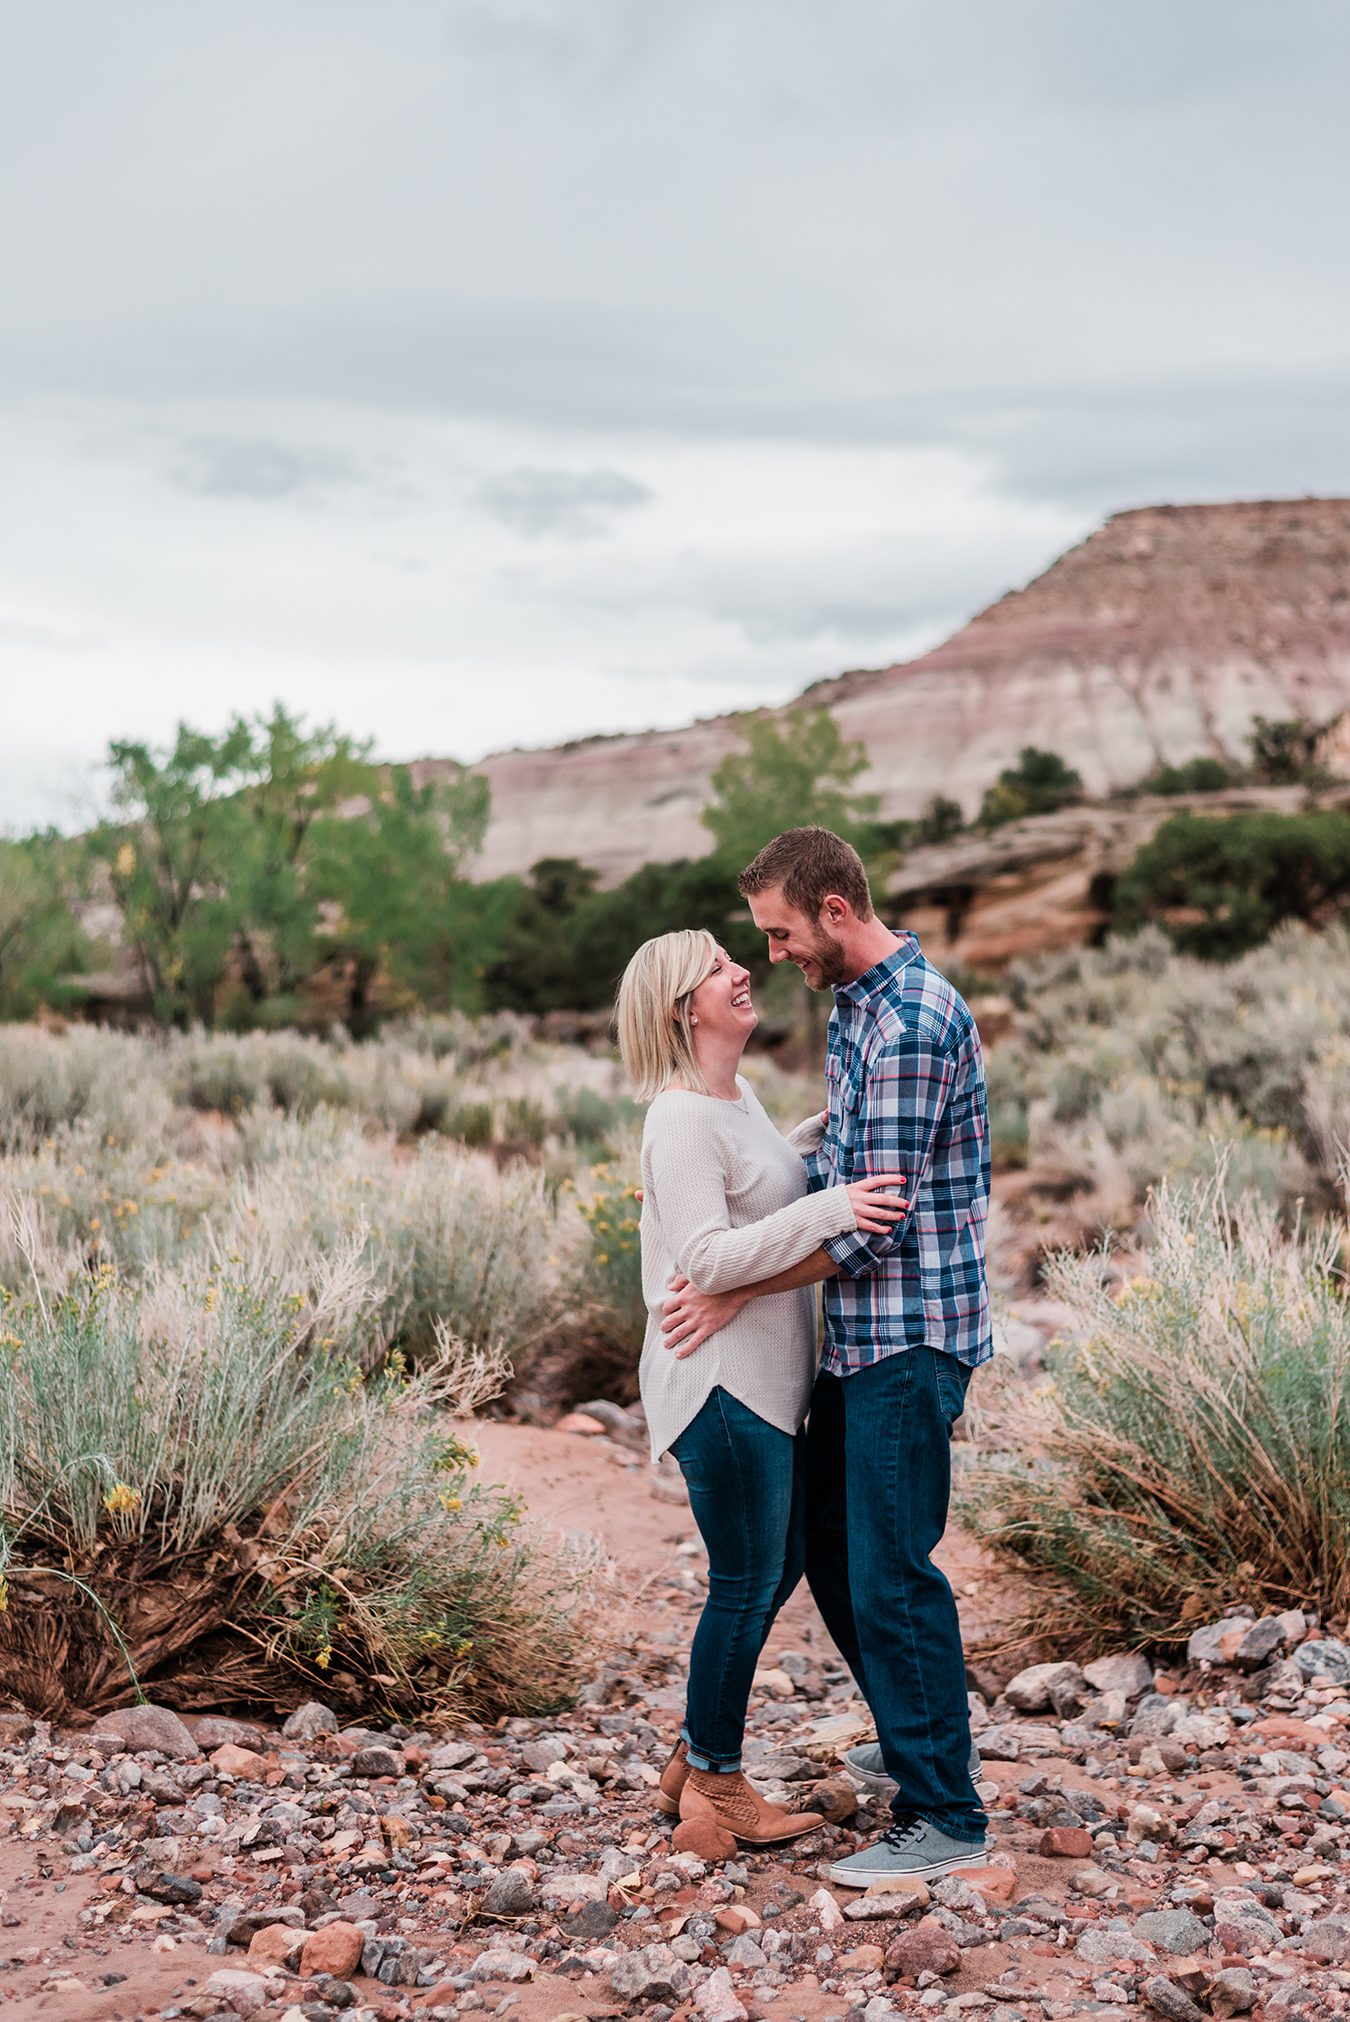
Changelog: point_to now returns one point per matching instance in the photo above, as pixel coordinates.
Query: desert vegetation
(1176, 1142)
(1191, 1448)
(249, 1289)
(1130, 1063)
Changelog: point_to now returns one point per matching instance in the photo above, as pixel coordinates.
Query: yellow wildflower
(450, 1503)
(122, 1499)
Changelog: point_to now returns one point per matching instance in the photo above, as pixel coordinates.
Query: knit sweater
(726, 1204)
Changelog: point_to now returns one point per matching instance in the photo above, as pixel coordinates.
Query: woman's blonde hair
(653, 1011)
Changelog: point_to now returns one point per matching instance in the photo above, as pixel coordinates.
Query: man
(906, 1320)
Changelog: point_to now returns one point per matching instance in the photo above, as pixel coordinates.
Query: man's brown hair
(809, 864)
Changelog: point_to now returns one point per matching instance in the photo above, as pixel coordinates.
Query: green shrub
(1197, 775)
(1039, 783)
(1192, 1447)
(201, 1495)
(1222, 884)
(608, 1270)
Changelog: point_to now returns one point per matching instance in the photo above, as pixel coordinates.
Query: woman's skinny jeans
(747, 1484)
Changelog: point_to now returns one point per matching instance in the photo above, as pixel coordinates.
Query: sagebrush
(1191, 1446)
(204, 1493)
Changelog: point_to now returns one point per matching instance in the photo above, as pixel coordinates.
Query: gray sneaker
(913, 1850)
(864, 1764)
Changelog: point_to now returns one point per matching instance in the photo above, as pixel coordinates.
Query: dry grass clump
(452, 1241)
(106, 1082)
(205, 1493)
(1131, 1063)
(1192, 1448)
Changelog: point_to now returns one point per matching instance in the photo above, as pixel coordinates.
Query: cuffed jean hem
(699, 1759)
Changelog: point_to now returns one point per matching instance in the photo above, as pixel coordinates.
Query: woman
(725, 1203)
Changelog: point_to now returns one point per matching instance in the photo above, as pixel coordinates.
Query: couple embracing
(836, 1465)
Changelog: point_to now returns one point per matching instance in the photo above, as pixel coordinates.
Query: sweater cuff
(836, 1216)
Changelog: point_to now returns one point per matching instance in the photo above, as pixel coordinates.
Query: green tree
(1221, 884)
(533, 968)
(41, 940)
(172, 861)
(396, 903)
(1039, 783)
(1284, 753)
(791, 773)
(940, 821)
(294, 778)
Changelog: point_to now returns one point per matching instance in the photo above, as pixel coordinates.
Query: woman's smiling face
(721, 1002)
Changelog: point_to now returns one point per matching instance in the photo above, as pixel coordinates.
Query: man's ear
(835, 910)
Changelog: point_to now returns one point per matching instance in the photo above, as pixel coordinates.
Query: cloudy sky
(480, 372)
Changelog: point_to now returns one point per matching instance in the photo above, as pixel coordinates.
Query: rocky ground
(1174, 1842)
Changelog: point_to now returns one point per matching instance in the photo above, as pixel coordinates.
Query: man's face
(793, 937)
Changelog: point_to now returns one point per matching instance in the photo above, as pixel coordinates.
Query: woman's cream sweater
(726, 1204)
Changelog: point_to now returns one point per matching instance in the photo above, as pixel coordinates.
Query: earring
(693, 1018)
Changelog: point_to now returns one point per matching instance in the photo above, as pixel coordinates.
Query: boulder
(717, 2000)
(510, 1895)
(372, 1762)
(1327, 1658)
(276, 1945)
(1128, 1673)
(147, 1730)
(652, 1974)
(213, 1730)
(244, 1764)
(1327, 1939)
(309, 1721)
(1176, 1931)
(1165, 1998)
(1232, 1992)
(927, 1948)
(244, 1993)
(334, 1950)
(1067, 1842)
(1035, 1689)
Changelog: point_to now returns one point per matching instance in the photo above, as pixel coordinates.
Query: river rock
(147, 1730)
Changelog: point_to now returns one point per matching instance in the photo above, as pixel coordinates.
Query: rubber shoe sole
(847, 1877)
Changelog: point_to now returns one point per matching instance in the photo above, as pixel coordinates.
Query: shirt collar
(881, 974)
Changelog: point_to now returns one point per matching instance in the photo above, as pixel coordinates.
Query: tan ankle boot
(738, 1808)
(673, 1779)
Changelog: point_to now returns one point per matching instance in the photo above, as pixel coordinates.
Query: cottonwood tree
(796, 772)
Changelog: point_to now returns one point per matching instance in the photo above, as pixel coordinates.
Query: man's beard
(827, 955)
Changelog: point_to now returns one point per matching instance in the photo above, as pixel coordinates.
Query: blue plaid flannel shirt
(907, 1094)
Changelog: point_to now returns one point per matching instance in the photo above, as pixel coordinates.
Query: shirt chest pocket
(843, 1093)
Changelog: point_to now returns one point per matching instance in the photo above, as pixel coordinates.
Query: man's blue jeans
(878, 1486)
(746, 1483)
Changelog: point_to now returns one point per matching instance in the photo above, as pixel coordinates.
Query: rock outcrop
(987, 899)
(1155, 640)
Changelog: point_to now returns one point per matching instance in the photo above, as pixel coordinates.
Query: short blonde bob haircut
(653, 1011)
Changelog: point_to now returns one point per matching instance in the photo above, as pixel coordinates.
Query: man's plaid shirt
(907, 1094)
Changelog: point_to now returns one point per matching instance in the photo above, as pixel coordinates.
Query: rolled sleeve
(853, 1253)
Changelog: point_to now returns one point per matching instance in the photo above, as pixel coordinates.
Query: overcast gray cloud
(577, 504)
(634, 353)
(250, 467)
